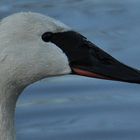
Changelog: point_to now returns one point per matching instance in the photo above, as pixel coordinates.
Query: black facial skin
(47, 36)
(84, 55)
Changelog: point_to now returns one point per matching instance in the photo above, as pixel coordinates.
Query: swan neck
(8, 98)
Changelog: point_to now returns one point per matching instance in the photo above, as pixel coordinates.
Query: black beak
(87, 59)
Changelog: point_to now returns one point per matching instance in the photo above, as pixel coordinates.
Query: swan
(34, 46)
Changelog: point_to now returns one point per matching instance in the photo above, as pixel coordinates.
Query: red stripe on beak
(89, 74)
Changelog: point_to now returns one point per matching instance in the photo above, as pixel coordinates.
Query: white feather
(24, 59)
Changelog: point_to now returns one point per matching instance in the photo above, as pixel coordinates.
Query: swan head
(34, 46)
(24, 56)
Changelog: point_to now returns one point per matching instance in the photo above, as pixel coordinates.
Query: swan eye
(47, 36)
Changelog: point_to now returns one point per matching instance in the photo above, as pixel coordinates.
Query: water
(79, 108)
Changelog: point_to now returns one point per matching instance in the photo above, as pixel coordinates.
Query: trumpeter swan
(34, 46)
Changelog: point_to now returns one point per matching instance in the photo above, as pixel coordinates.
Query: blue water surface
(76, 107)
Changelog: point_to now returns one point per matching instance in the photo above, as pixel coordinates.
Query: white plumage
(24, 59)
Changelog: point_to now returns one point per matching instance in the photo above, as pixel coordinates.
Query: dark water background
(79, 108)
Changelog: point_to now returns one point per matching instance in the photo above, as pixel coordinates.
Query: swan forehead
(33, 22)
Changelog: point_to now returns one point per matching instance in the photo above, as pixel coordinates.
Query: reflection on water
(79, 108)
